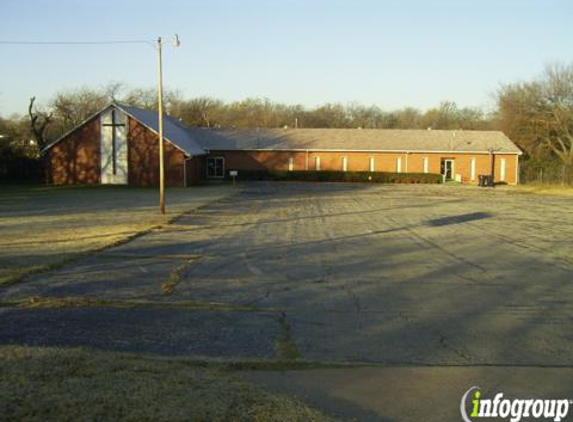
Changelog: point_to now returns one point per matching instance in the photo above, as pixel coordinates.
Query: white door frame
(453, 168)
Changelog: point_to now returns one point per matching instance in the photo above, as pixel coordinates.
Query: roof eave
(425, 151)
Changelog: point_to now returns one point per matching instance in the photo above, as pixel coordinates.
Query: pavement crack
(446, 345)
(452, 255)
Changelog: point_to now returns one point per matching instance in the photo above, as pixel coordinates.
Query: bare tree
(113, 90)
(72, 107)
(39, 122)
(539, 114)
(557, 110)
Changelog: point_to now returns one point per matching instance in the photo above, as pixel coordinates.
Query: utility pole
(491, 168)
(175, 42)
(161, 153)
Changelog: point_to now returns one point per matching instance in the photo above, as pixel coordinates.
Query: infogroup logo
(513, 409)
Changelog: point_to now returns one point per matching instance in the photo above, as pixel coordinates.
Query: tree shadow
(458, 219)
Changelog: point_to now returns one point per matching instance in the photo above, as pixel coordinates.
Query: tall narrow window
(426, 164)
(344, 163)
(502, 170)
(399, 165)
(290, 164)
(372, 164)
(472, 169)
(317, 163)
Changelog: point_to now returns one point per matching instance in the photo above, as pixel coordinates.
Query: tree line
(536, 114)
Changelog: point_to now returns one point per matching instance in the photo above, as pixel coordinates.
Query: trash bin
(481, 180)
(489, 181)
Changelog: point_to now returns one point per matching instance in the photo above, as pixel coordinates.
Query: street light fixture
(175, 43)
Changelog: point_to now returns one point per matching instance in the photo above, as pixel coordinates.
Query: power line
(10, 42)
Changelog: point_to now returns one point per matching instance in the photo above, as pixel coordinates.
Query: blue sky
(389, 53)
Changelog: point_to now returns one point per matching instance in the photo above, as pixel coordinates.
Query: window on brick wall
(215, 167)
(344, 163)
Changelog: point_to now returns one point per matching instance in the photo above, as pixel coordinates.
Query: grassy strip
(539, 189)
(136, 256)
(54, 384)
(21, 274)
(285, 347)
(167, 287)
(84, 302)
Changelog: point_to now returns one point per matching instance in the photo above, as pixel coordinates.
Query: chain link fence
(547, 174)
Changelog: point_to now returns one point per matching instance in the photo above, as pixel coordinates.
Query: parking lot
(390, 275)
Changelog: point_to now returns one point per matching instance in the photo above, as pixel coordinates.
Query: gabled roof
(197, 141)
(174, 131)
(355, 140)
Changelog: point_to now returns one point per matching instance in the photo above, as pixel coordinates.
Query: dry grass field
(76, 384)
(42, 226)
(544, 189)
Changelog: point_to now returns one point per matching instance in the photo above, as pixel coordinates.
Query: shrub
(338, 176)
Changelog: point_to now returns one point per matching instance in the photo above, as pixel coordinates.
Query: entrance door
(215, 167)
(113, 147)
(447, 167)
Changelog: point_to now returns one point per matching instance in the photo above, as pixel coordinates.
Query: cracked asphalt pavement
(380, 274)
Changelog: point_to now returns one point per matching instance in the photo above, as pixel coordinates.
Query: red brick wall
(195, 170)
(143, 158)
(76, 158)
(360, 161)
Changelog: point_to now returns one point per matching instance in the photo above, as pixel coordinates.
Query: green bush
(339, 176)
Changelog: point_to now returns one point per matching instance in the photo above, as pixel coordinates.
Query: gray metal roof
(173, 130)
(195, 141)
(355, 140)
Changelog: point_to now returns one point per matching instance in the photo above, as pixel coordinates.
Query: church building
(119, 145)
